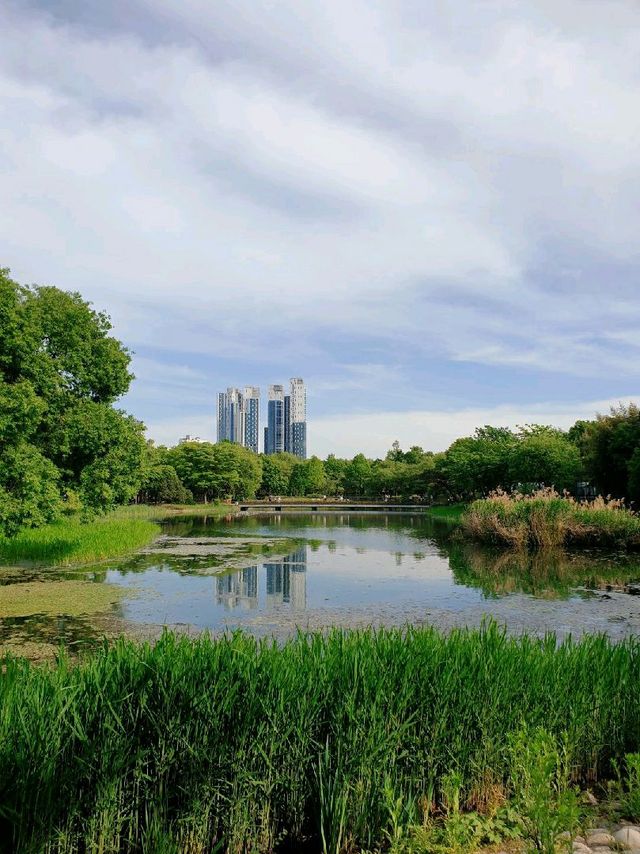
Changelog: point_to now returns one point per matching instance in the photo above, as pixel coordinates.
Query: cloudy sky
(429, 210)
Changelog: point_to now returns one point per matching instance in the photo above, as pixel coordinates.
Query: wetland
(273, 574)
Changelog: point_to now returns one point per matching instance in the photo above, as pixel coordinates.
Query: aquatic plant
(186, 745)
(545, 519)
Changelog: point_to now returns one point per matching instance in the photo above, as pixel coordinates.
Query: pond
(275, 573)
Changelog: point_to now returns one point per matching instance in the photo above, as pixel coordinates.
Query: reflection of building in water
(287, 580)
(238, 589)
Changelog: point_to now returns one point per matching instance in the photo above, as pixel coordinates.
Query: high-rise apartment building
(251, 403)
(275, 431)
(297, 422)
(239, 416)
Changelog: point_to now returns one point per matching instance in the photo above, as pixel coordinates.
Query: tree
(545, 456)
(195, 465)
(240, 470)
(163, 486)
(60, 374)
(307, 477)
(335, 470)
(358, 475)
(276, 473)
(224, 470)
(634, 476)
(479, 463)
(608, 445)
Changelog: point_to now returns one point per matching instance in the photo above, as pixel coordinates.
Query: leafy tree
(29, 491)
(335, 470)
(608, 445)
(479, 463)
(276, 473)
(395, 454)
(545, 456)
(358, 475)
(161, 485)
(307, 477)
(224, 470)
(240, 470)
(195, 465)
(634, 476)
(60, 374)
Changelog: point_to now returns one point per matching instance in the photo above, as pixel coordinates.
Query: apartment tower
(274, 433)
(238, 416)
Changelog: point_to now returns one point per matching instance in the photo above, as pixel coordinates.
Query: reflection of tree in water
(546, 573)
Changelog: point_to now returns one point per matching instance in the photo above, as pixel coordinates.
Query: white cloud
(373, 433)
(217, 175)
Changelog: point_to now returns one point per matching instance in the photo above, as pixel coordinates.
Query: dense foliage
(182, 745)
(61, 440)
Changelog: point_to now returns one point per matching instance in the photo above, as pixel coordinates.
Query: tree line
(66, 447)
(604, 453)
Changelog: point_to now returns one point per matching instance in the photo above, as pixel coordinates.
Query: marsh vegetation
(545, 519)
(336, 742)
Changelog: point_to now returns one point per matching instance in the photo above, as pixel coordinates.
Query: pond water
(271, 574)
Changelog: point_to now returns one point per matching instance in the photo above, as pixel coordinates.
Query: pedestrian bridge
(327, 507)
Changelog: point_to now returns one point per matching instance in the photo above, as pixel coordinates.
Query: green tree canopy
(276, 473)
(307, 477)
(60, 373)
(224, 470)
(545, 456)
(358, 476)
(608, 445)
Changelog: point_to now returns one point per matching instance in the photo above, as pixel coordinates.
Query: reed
(545, 519)
(234, 744)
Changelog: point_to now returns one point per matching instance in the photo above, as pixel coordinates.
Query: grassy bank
(73, 541)
(548, 520)
(337, 743)
(450, 512)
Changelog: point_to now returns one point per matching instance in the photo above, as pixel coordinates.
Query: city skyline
(238, 418)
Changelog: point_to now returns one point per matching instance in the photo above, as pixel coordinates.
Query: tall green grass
(545, 519)
(238, 745)
(73, 540)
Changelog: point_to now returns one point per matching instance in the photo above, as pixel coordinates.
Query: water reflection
(341, 565)
(238, 589)
(285, 580)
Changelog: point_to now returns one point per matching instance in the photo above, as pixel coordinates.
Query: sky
(428, 210)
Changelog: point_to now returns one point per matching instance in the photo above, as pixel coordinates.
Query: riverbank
(71, 540)
(346, 741)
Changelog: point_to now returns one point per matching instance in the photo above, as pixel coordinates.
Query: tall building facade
(275, 431)
(297, 422)
(238, 416)
(251, 403)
